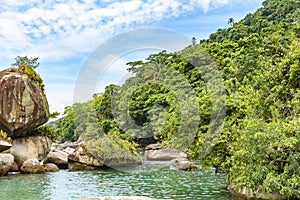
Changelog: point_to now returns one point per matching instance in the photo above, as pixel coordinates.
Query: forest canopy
(170, 101)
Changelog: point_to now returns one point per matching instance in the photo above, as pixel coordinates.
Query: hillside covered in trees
(256, 63)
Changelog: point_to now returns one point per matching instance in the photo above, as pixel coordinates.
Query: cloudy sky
(65, 33)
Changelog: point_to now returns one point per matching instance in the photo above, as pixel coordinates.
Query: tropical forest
(258, 61)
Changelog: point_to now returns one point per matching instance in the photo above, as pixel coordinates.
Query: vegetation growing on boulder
(32, 75)
(4, 136)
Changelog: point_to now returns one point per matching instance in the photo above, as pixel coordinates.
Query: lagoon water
(148, 179)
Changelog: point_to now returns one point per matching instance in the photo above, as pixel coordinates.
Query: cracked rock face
(23, 105)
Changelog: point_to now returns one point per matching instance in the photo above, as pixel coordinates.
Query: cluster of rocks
(35, 154)
(26, 155)
(23, 107)
(156, 152)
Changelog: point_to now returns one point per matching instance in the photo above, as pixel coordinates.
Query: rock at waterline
(157, 152)
(186, 165)
(81, 159)
(14, 167)
(60, 158)
(6, 161)
(118, 198)
(50, 167)
(105, 152)
(32, 166)
(23, 104)
(76, 166)
(30, 147)
(247, 193)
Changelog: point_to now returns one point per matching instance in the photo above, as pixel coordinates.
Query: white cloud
(31, 26)
(59, 30)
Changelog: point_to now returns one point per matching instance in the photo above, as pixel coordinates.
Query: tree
(54, 114)
(31, 62)
(231, 21)
(193, 41)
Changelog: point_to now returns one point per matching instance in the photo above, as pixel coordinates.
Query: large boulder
(4, 145)
(157, 152)
(105, 152)
(30, 147)
(23, 104)
(6, 162)
(32, 166)
(84, 159)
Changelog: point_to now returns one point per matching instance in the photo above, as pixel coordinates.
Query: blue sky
(65, 33)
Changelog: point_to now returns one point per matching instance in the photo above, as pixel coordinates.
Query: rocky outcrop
(4, 145)
(186, 165)
(32, 166)
(246, 193)
(83, 157)
(118, 198)
(30, 147)
(23, 105)
(50, 167)
(157, 152)
(6, 161)
(59, 154)
(104, 153)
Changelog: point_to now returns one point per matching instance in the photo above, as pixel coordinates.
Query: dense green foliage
(44, 130)
(178, 99)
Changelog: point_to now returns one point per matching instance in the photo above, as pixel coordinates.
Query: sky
(67, 36)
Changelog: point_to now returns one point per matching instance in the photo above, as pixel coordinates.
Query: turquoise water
(146, 180)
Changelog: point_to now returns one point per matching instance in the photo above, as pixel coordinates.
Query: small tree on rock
(30, 62)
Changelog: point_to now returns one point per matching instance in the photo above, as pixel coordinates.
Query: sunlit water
(146, 180)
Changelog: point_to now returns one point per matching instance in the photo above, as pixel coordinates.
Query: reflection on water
(146, 180)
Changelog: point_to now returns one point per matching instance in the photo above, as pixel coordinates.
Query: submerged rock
(30, 147)
(118, 198)
(6, 162)
(23, 104)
